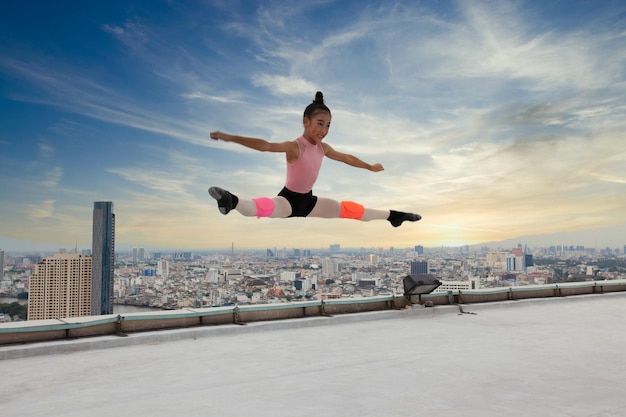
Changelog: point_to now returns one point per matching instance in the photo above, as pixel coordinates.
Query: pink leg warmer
(264, 206)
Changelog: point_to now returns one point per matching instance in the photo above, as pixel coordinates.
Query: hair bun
(316, 106)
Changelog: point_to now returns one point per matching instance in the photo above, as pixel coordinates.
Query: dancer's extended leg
(259, 207)
(332, 209)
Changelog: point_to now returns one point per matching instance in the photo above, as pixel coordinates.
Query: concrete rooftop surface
(539, 357)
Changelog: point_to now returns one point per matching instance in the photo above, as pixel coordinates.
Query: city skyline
(493, 122)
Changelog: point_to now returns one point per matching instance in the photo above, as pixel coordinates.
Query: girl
(304, 159)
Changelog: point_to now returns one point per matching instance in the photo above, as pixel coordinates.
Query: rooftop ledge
(36, 337)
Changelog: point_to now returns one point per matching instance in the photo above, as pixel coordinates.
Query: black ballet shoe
(397, 217)
(225, 200)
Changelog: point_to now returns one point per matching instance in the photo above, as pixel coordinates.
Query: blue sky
(493, 119)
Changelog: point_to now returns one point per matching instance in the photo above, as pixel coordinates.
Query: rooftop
(559, 356)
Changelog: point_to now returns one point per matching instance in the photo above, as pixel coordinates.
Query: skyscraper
(60, 287)
(103, 253)
(1, 264)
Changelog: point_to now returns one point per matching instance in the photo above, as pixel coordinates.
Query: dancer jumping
(304, 159)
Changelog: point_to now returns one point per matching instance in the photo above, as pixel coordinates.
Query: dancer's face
(316, 128)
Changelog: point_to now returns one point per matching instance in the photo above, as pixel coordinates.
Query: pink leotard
(302, 174)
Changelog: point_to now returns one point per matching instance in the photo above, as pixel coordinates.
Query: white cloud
(162, 181)
(43, 209)
(45, 151)
(283, 85)
(210, 98)
(132, 34)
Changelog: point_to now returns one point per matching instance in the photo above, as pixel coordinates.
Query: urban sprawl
(176, 280)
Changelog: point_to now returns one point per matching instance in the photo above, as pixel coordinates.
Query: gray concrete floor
(553, 357)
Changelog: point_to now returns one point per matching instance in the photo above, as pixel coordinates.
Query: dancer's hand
(217, 135)
(377, 168)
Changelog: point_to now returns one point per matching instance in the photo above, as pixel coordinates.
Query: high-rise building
(529, 260)
(330, 267)
(497, 259)
(419, 267)
(163, 268)
(1, 264)
(515, 262)
(103, 253)
(60, 287)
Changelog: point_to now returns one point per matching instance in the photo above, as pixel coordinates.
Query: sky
(493, 119)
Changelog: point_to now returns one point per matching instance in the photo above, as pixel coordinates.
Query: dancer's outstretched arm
(289, 148)
(351, 160)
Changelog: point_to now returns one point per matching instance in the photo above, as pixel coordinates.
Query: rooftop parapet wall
(519, 293)
(126, 324)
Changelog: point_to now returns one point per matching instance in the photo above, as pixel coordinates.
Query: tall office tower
(1, 264)
(419, 267)
(103, 253)
(60, 287)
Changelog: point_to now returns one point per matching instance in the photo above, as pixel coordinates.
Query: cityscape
(185, 279)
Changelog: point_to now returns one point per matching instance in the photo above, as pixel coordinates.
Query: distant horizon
(580, 238)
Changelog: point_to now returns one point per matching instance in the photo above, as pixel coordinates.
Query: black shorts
(301, 204)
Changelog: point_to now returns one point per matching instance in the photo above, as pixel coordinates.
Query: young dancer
(304, 158)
